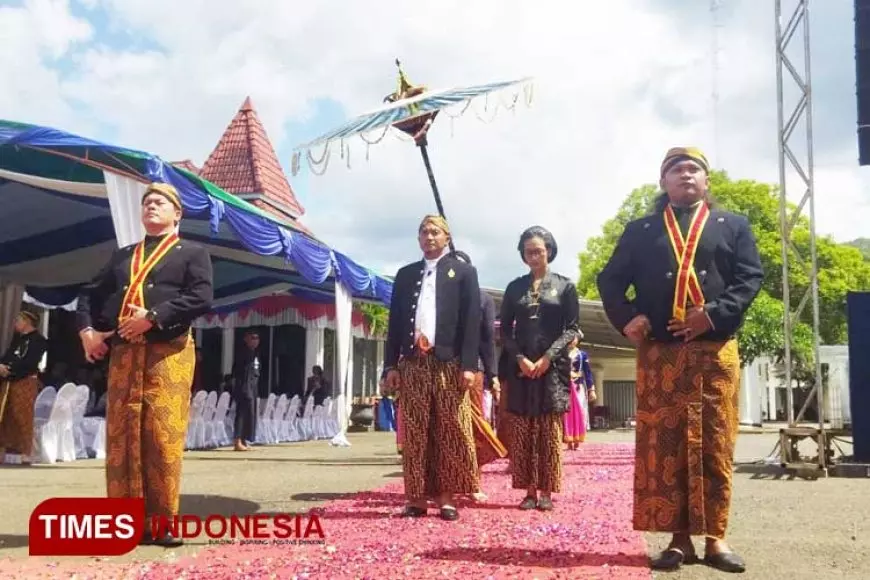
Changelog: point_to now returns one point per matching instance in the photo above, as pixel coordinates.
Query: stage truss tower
(794, 29)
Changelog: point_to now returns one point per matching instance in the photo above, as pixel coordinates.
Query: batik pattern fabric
(400, 429)
(487, 444)
(687, 425)
(438, 453)
(16, 415)
(536, 452)
(147, 411)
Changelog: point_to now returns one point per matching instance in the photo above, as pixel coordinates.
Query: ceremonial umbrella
(411, 110)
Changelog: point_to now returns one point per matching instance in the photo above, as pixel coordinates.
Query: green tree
(377, 318)
(841, 267)
(762, 334)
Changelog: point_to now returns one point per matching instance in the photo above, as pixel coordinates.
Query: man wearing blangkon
(431, 358)
(144, 300)
(696, 271)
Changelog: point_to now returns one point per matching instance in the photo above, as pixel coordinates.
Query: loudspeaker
(862, 77)
(858, 312)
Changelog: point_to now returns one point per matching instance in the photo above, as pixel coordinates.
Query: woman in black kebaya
(539, 321)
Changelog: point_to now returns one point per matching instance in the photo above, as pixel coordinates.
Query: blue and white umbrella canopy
(373, 126)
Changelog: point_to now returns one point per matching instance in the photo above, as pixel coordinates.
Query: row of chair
(212, 418)
(63, 432)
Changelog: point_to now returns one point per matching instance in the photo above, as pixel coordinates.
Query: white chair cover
(264, 422)
(281, 424)
(54, 438)
(289, 425)
(94, 429)
(318, 422)
(217, 428)
(195, 424)
(208, 411)
(330, 414)
(79, 407)
(306, 422)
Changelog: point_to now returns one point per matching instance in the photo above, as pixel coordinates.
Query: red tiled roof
(188, 165)
(244, 161)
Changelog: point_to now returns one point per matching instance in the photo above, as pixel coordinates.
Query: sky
(616, 85)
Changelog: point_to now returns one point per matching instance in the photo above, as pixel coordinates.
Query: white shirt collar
(430, 264)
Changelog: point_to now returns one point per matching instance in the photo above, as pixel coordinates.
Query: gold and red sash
(687, 286)
(139, 270)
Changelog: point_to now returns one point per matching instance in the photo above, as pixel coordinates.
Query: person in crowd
(539, 321)
(582, 396)
(246, 385)
(695, 270)
(431, 358)
(19, 385)
(142, 305)
(318, 386)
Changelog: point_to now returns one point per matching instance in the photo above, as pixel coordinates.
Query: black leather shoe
(449, 514)
(529, 503)
(545, 504)
(413, 512)
(671, 559)
(167, 540)
(726, 562)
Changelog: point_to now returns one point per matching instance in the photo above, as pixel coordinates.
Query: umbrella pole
(425, 153)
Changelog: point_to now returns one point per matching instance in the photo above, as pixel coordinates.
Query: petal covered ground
(588, 535)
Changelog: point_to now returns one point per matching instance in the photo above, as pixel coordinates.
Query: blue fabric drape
(312, 259)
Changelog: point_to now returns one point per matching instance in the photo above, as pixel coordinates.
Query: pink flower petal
(589, 534)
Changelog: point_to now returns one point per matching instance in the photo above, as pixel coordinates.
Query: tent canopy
(58, 227)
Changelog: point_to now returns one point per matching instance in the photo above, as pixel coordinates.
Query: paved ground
(784, 528)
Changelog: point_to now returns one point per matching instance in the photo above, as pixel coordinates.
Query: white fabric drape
(314, 342)
(125, 201)
(289, 315)
(343, 380)
(10, 305)
(71, 307)
(73, 187)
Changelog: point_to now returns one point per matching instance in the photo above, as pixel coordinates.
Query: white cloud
(35, 36)
(616, 86)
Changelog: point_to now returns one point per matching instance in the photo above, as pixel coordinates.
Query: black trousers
(246, 416)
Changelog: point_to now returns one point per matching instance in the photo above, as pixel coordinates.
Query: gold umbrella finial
(405, 89)
(405, 85)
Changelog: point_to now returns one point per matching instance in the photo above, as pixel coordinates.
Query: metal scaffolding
(791, 164)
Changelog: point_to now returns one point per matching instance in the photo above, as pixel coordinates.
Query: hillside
(862, 244)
